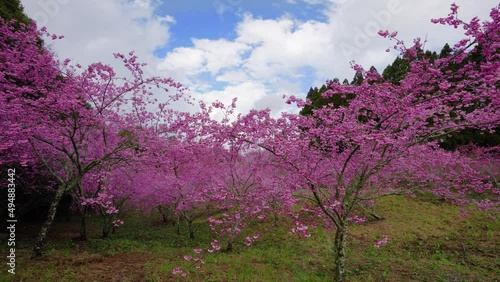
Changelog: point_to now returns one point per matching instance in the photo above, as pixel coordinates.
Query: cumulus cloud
(410, 18)
(282, 46)
(95, 29)
(205, 56)
(246, 92)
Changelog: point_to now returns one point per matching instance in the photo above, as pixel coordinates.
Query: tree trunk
(40, 240)
(372, 213)
(340, 253)
(105, 233)
(178, 225)
(376, 216)
(83, 225)
(276, 218)
(106, 229)
(190, 228)
(229, 247)
(106, 226)
(163, 214)
(114, 218)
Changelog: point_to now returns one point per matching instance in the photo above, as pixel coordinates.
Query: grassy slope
(427, 242)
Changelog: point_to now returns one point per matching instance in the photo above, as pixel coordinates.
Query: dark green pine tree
(318, 101)
(12, 9)
(446, 51)
(375, 71)
(431, 55)
(357, 79)
(396, 71)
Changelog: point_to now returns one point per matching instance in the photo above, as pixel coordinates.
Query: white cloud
(233, 77)
(205, 56)
(246, 92)
(187, 60)
(96, 29)
(310, 2)
(284, 45)
(355, 24)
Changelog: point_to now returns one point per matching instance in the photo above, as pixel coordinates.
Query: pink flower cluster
(381, 242)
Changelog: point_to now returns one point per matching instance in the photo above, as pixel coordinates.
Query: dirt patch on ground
(120, 267)
(96, 267)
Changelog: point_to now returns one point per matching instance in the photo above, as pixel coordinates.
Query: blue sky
(217, 19)
(254, 50)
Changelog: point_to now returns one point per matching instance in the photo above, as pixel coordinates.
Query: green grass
(428, 241)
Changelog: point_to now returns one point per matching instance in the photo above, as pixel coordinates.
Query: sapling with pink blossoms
(242, 195)
(105, 192)
(191, 169)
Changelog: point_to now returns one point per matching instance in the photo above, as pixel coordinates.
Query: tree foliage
(396, 72)
(13, 10)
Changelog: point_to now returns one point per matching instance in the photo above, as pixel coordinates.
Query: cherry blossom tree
(242, 195)
(248, 180)
(105, 191)
(72, 119)
(344, 156)
(190, 165)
